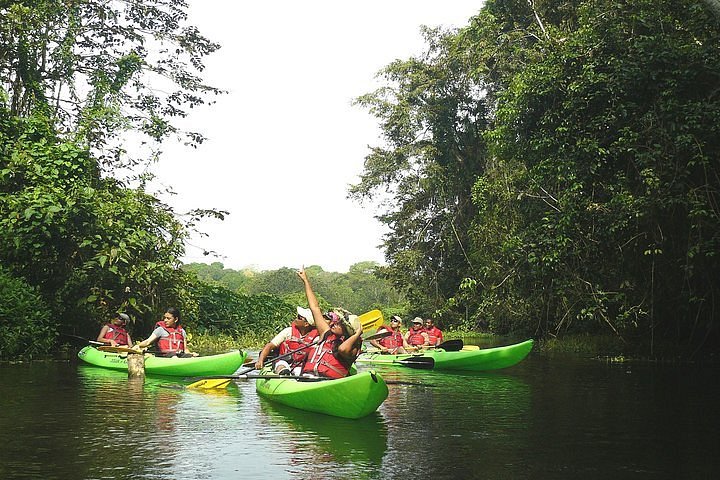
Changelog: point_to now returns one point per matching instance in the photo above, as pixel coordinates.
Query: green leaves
(584, 134)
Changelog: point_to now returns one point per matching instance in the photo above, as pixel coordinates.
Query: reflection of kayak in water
(469, 360)
(355, 440)
(222, 364)
(355, 396)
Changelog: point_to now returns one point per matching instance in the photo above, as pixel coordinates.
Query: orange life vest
(297, 340)
(324, 361)
(117, 333)
(416, 338)
(393, 341)
(174, 342)
(434, 334)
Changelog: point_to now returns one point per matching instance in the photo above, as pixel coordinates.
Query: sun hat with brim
(352, 324)
(396, 318)
(417, 320)
(306, 313)
(123, 317)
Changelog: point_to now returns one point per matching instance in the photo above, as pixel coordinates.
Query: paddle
(470, 348)
(371, 320)
(91, 342)
(210, 383)
(303, 379)
(108, 348)
(450, 345)
(420, 362)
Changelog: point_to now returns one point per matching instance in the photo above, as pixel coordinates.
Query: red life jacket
(174, 342)
(415, 337)
(434, 334)
(393, 341)
(324, 361)
(297, 340)
(117, 333)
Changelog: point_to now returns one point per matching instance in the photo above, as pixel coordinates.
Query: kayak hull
(222, 364)
(467, 360)
(355, 396)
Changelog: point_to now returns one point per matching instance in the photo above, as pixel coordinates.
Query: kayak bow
(355, 396)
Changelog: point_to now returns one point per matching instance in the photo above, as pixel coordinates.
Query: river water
(546, 418)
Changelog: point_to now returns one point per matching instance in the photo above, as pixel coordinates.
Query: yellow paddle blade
(470, 347)
(209, 383)
(371, 320)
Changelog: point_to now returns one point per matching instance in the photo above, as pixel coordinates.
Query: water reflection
(330, 439)
(158, 427)
(432, 425)
(541, 419)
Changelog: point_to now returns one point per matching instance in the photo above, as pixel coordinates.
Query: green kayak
(223, 364)
(355, 396)
(472, 360)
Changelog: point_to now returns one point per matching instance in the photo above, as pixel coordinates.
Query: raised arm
(320, 323)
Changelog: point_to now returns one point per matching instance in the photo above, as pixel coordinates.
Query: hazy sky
(285, 143)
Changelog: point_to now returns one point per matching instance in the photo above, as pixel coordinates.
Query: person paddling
(416, 338)
(395, 343)
(341, 339)
(114, 334)
(300, 333)
(170, 336)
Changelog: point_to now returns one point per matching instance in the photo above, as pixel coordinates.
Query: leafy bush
(220, 310)
(27, 325)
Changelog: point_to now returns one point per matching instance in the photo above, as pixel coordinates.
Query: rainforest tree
(595, 198)
(88, 91)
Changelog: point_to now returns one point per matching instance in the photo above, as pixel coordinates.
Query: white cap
(306, 313)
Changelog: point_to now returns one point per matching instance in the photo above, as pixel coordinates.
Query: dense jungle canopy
(553, 167)
(549, 168)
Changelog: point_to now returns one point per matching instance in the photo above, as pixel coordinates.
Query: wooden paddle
(109, 349)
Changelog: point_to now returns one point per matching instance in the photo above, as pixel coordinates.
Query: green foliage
(432, 114)
(74, 77)
(361, 289)
(593, 179)
(222, 310)
(90, 245)
(100, 68)
(28, 328)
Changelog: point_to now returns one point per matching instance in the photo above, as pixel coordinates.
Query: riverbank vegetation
(550, 169)
(553, 170)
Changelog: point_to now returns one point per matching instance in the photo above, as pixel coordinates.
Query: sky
(286, 142)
